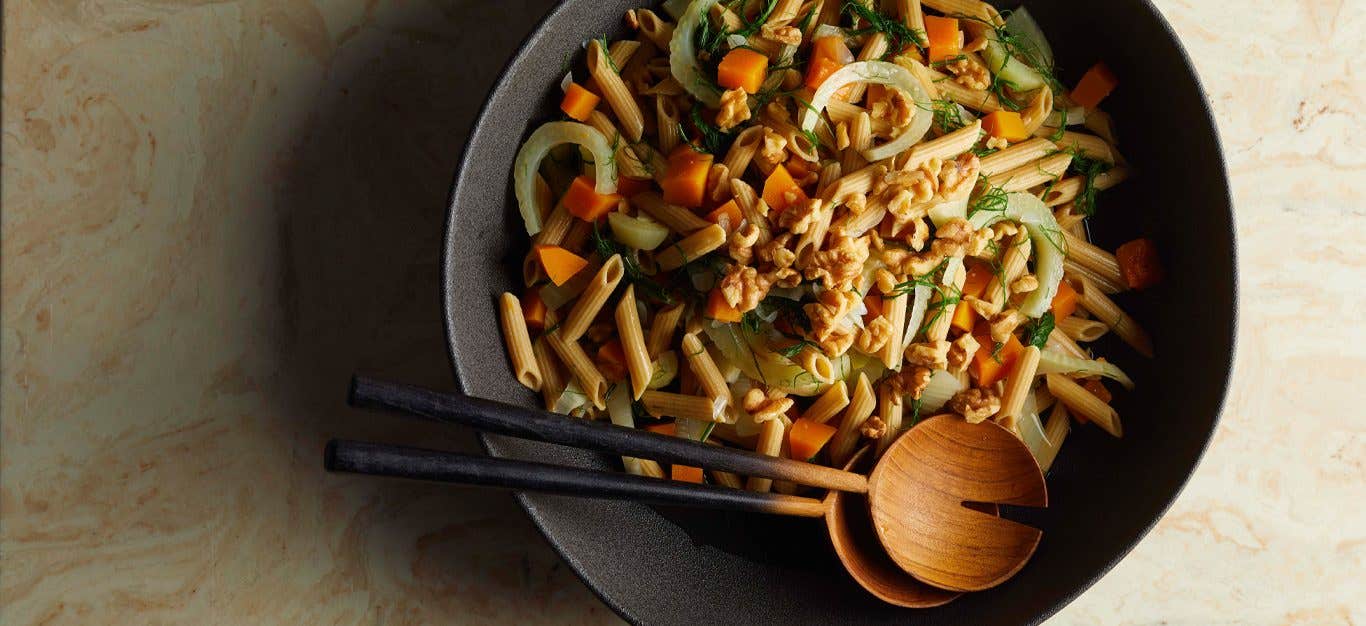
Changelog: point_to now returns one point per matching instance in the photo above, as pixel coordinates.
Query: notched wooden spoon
(919, 492)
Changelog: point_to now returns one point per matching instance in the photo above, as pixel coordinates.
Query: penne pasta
(662, 329)
(650, 468)
(654, 28)
(945, 147)
(552, 379)
(691, 248)
(741, 152)
(1059, 342)
(860, 139)
(518, 342)
(858, 182)
(708, 376)
(682, 406)
(1105, 310)
(828, 404)
(1093, 257)
(1078, 271)
(1089, 146)
(912, 15)
(1013, 264)
(1082, 330)
(1016, 155)
(840, 111)
(890, 407)
(937, 328)
(979, 100)
(676, 218)
(1055, 431)
(666, 116)
(555, 227)
(1066, 190)
(1018, 385)
(638, 362)
(860, 408)
(770, 443)
(614, 91)
(1032, 174)
(752, 208)
(603, 283)
(581, 367)
(1084, 404)
(628, 163)
(894, 309)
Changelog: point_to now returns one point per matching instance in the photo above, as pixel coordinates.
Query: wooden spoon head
(918, 493)
(861, 552)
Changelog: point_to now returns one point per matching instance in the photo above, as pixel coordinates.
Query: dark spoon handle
(400, 462)
(537, 425)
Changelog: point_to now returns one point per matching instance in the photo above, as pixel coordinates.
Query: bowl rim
(448, 272)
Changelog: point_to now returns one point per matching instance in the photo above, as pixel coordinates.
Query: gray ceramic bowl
(688, 567)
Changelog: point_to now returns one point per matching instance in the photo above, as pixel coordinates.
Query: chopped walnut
(874, 336)
(997, 143)
(743, 287)
(975, 405)
(718, 182)
(838, 342)
(874, 428)
(773, 149)
(741, 243)
(828, 313)
(969, 73)
(1024, 284)
(785, 277)
(790, 35)
(952, 238)
(799, 216)
(734, 109)
(985, 309)
(931, 354)
(1005, 323)
(911, 263)
(857, 203)
(765, 406)
(894, 105)
(921, 185)
(840, 264)
(959, 175)
(776, 251)
(961, 352)
(915, 380)
(914, 232)
(976, 45)
(886, 281)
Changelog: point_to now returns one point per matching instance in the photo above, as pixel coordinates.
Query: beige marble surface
(213, 212)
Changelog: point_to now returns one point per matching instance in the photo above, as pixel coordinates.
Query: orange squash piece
(578, 102)
(1065, 301)
(828, 54)
(685, 181)
(533, 309)
(1094, 86)
(720, 310)
(1007, 125)
(560, 264)
(989, 370)
(1138, 263)
(585, 203)
(944, 37)
(873, 303)
(975, 284)
(686, 473)
(807, 437)
(742, 68)
(669, 429)
(611, 360)
(776, 187)
(727, 215)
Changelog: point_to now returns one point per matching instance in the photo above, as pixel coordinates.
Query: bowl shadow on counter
(362, 210)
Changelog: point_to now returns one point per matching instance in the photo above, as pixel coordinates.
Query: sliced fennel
(571, 399)
(943, 386)
(1031, 430)
(635, 232)
(880, 73)
(941, 213)
(683, 54)
(1046, 236)
(749, 353)
(663, 370)
(916, 316)
(619, 410)
(534, 150)
(1022, 26)
(676, 8)
(1053, 362)
(1010, 69)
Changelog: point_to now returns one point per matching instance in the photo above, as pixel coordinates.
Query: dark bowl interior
(662, 566)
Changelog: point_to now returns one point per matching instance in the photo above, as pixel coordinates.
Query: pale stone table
(214, 212)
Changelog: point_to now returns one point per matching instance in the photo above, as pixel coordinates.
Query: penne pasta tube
(752, 208)
(1105, 310)
(938, 327)
(638, 363)
(532, 270)
(1109, 179)
(1055, 431)
(1094, 257)
(771, 435)
(1032, 174)
(784, 11)
(1018, 385)
(708, 376)
(1066, 190)
(518, 342)
(628, 164)
(584, 371)
(860, 139)
(1016, 155)
(895, 311)
(945, 147)
(741, 152)
(829, 404)
(1078, 271)
(666, 116)
(552, 379)
(1059, 342)
(874, 47)
(1089, 146)
(857, 182)
(586, 308)
(857, 225)
(691, 248)
(682, 406)
(651, 468)
(840, 111)
(677, 218)
(890, 407)
(969, 8)
(654, 28)
(912, 15)
(814, 237)
(577, 235)
(614, 91)
(860, 408)
(1013, 264)
(979, 100)
(1040, 107)
(1082, 330)
(662, 329)
(1084, 404)
(554, 228)
(1067, 217)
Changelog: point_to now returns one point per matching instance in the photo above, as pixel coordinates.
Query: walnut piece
(959, 175)
(777, 253)
(914, 381)
(952, 238)
(799, 216)
(874, 428)
(932, 354)
(1024, 284)
(961, 352)
(875, 335)
(743, 287)
(773, 149)
(840, 264)
(790, 35)
(741, 243)
(975, 405)
(734, 109)
(829, 311)
(1005, 323)
(765, 406)
(894, 105)
(969, 73)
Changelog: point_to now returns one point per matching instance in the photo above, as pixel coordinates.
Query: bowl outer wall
(668, 566)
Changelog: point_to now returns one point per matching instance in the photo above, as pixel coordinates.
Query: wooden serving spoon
(931, 496)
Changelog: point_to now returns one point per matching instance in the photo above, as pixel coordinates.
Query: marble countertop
(214, 212)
